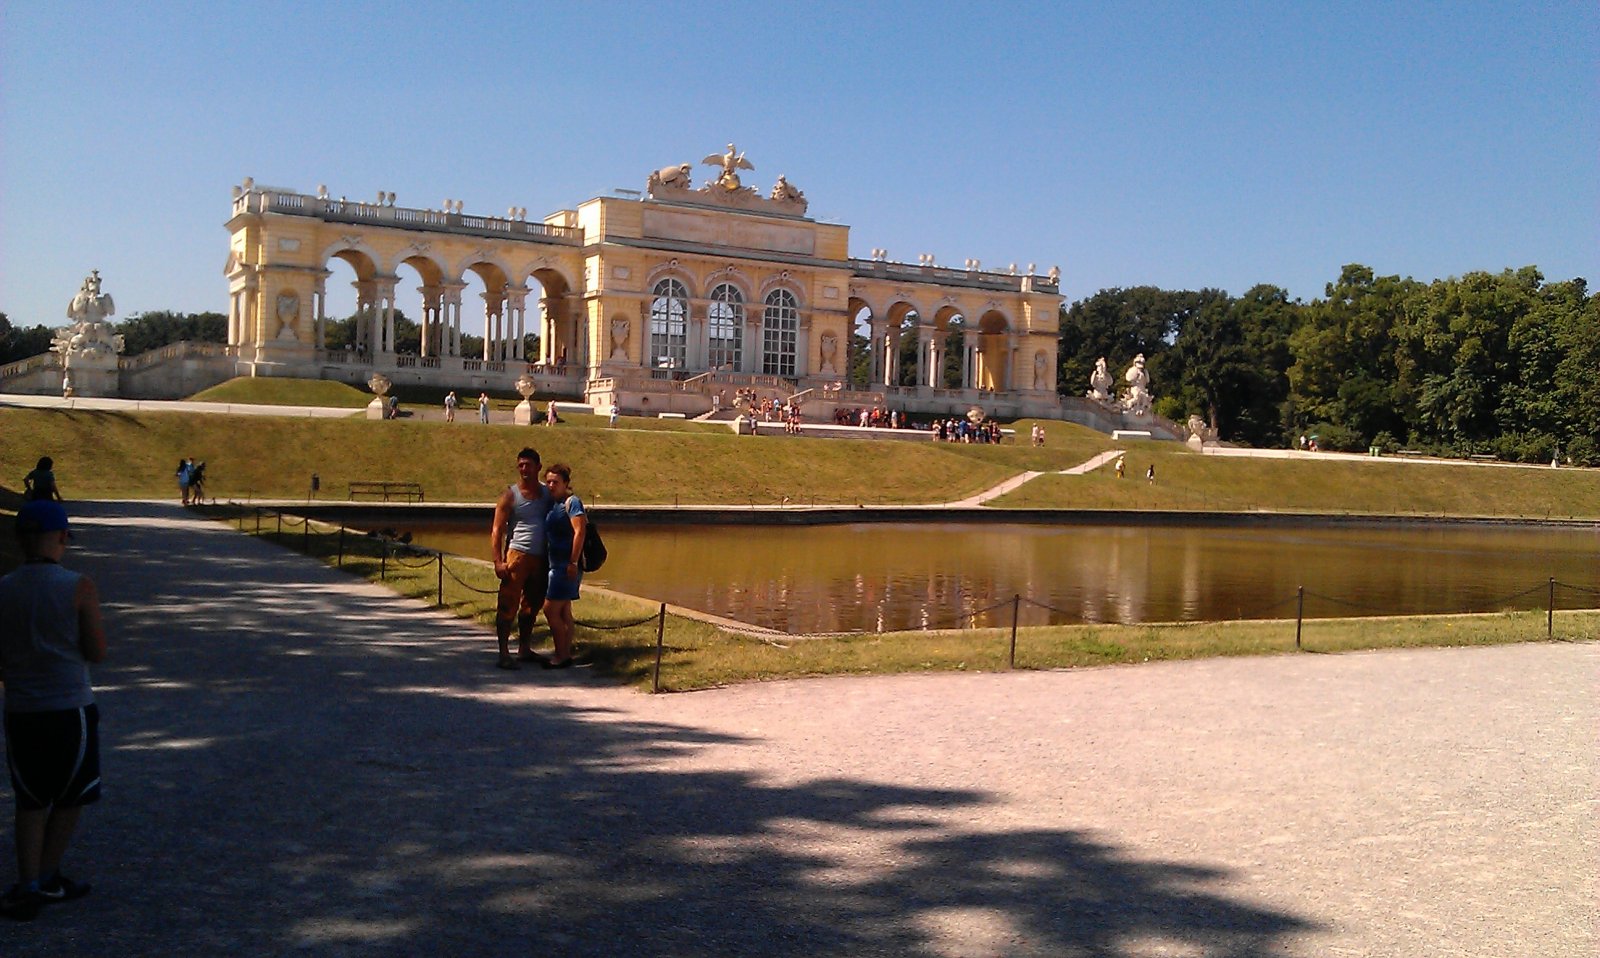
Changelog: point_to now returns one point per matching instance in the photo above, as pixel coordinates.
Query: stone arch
(672, 269)
(560, 314)
(860, 327)
(431, 337)
(782, 280)
(992, 352)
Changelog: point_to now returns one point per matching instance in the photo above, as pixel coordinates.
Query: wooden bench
(1484, 457)
(387, 490)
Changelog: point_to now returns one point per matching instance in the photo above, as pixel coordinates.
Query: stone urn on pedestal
(380, 386)
(523, 414)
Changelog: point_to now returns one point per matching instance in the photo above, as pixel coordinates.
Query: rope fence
(368, 552)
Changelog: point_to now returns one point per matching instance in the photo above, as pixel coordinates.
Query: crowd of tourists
(965, 430)
(874, 417)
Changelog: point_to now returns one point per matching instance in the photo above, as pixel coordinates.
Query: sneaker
(20, 904)
(62, 888)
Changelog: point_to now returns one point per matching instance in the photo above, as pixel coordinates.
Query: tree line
(1503, 364)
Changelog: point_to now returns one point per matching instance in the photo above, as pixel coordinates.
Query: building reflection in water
(875, 577)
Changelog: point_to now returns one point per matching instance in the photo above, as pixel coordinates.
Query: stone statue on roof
(731, 162)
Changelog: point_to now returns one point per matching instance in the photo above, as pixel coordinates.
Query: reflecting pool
(873, 576)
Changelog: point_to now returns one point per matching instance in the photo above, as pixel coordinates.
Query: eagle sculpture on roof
(731, 162)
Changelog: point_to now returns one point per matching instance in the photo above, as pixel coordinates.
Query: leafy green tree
(17, 343)
(1345, 368)
(1119, 324)
(143, 332)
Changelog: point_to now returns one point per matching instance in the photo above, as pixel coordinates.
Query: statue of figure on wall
(1039, 366)
(669, 178)
(89, 336)
(830, 354)
(788, 194)
(288, 314)
(1137, 399)
(731, 163)
(1100, 383)
(619, 338)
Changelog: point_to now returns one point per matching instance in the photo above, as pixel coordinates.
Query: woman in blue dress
(564, 526)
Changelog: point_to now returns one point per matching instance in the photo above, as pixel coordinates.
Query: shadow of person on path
(296, 762)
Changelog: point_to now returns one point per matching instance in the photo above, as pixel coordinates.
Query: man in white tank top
(517, 544)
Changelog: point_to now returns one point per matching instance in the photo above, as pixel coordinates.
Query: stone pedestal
(524, 414)
(91, 375)
(376, 409)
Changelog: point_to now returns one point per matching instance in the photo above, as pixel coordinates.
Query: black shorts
(54, 757)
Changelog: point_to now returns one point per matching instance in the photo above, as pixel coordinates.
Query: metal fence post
(340, 562)
(383, 562)
(1550, 616)
(661, 632)
(1299, 614)
(1016, 604)
(440, 557)
(306, 539)
(280, 523)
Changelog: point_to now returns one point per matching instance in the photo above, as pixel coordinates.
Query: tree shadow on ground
(297, 762)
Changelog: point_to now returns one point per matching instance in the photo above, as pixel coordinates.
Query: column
(492, 330)
(319, 297)
(546, 331)
(1011, 362)
(924, 354)
(966, 361)
(516, 318)
(452, 309)
(383, 318)
(366, 306)
(234, 338)
(802, 347)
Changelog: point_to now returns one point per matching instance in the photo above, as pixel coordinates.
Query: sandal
(553, 664)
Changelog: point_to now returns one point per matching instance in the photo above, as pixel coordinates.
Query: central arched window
(726, 328)
(780, 333)
(669, 325)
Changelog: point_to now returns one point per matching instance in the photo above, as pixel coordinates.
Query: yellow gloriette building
(665, 300)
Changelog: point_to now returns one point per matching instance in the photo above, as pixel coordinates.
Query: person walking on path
(565, 527)
(41, 482)
(450, 406)
(1150, 474)
(483, 408)
(185, 477)
(517, 543)
(50, 630)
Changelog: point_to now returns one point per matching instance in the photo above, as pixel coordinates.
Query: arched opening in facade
(417, 322)
(489, 282)
(899, 344)
(558, 336)
(859, 349)
(346, 293)
(947, 347)
(992, 360)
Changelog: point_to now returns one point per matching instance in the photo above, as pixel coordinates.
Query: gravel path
(299, 763)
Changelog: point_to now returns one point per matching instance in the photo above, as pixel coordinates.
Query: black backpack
(594, 548)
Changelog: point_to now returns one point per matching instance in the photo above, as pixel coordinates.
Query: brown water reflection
(902, 576)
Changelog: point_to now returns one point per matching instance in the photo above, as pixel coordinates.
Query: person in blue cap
(50, 630)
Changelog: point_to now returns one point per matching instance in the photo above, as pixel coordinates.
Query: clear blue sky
(1181, 145)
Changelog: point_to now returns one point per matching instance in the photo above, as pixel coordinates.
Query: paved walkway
(300, 763)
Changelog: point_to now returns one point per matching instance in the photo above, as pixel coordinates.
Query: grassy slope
(1189, 482)
(285, 392)
(133, 455)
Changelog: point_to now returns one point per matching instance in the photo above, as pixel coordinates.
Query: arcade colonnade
(634, 295)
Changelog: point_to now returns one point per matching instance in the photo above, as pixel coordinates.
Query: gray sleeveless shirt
(44, 667)
(527, 523)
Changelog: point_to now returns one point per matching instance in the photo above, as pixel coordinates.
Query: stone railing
(350, 211)
(945, 275)
(179, 350)
(24, 366)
